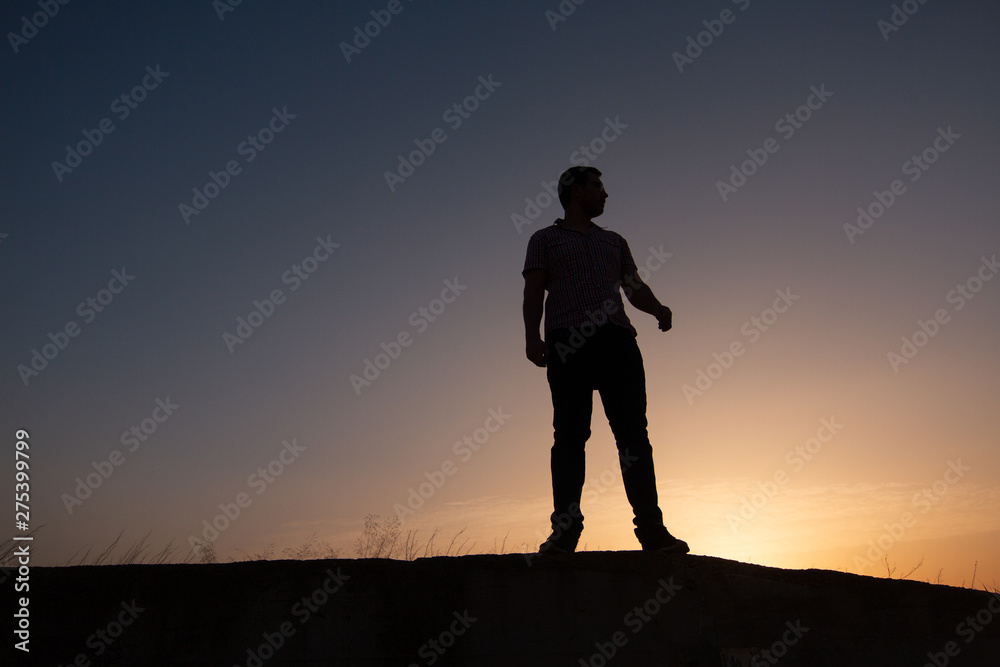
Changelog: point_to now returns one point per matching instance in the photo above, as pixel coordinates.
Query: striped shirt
(583, 275)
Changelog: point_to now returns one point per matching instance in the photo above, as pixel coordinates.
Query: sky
(260, 272)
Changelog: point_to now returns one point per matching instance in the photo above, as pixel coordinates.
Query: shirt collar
(590, 230)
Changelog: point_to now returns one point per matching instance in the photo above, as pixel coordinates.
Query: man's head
(582, 187)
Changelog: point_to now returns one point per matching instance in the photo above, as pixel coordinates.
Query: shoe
(661, 540)
(675, 547)
(559, 543)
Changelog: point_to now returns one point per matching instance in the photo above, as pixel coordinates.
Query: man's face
(592, 196)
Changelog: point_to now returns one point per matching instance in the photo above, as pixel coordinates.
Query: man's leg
(622, 385)
(572, 404)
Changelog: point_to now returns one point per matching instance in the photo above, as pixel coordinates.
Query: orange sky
(786, 426)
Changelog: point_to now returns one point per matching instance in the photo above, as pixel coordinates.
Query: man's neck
(576, 222)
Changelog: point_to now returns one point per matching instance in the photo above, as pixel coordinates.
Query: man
(590, 344)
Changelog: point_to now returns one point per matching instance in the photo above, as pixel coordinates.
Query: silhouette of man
(590, 344)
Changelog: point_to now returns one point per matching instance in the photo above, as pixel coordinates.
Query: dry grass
(10, 545)
(891, 569)
(137, 553)
(382, 538)
(309, 550)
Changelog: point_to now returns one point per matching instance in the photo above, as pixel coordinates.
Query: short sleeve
(626, 254)
(535, 258)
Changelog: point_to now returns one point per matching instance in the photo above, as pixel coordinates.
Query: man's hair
(573, 176)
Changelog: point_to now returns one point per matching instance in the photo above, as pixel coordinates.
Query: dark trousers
(610, 362)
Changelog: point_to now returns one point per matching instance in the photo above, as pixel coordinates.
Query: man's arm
(640, 296)
(534, 297)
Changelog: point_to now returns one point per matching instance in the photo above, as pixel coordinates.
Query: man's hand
(536, 351)
(639, 294)
(534, 297)
(664, 318)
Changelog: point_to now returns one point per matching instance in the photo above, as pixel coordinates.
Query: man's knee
(563, 451)
(634, 446)
(633, 429)
(570, 437)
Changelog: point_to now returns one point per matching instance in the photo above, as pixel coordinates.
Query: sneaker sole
(678, 547)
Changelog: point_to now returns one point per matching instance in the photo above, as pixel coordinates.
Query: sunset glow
(283, 293)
